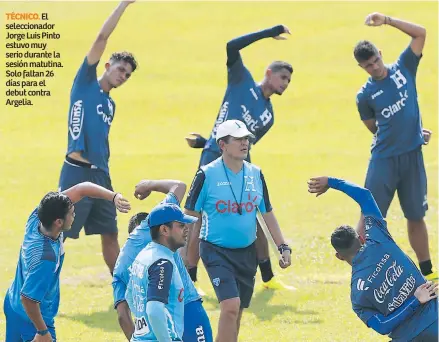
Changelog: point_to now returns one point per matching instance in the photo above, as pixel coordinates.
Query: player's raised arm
(145, 187)
(88, 189)
(319, 185)
(98, 47)
(241, 42)
(417, 32)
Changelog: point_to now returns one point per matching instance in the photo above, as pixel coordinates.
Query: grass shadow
(105, 320)
(264, 311)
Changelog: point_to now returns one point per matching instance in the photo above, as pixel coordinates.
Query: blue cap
(168, 212)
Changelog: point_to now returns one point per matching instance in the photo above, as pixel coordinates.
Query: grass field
(178, 89)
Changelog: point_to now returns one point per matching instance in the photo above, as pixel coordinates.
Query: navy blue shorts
(406, 175)
(428, 335)
(196, 323)
(208, 156)
(18, 329)
(97, 216)
(231, 271)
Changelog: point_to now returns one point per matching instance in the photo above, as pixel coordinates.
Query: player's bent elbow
(182, 185)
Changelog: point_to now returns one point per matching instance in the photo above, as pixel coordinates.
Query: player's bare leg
(110, 250)
(239, 319)
(228, 320)
(418, 237)
(263, 255)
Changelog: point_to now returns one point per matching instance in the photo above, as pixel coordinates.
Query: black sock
(193, 273)
(426, 267)
(266, 271)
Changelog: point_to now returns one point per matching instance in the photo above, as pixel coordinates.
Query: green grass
(178, 89)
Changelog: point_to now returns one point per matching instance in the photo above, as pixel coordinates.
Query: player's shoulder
(252, 167)
(365, 90)
(211, 168)
(370, 221)
(36, 248)
(33, 221)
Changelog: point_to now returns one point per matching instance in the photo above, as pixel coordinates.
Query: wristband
(42, 332)
(200, 142)
(115, 196)
(283, 247)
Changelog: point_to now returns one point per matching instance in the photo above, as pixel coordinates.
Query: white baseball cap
(234, 128)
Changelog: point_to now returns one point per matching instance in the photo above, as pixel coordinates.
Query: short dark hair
(344, 239)
(53, 206)
(135, 220)
(226, 139)
(364, 50)
(279, 65)
(126, 57)
(154, 230)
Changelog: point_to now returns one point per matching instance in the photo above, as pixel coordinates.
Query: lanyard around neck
(231, 188)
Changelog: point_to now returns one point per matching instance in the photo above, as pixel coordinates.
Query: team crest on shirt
(216, 281)
(399, 79)
(249, 183)
(110, 108)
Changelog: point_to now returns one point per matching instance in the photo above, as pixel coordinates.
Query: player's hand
(194, 139)
(44, 338)
(318, 185)
(375, 19)
(122, 204)
(426, 292)
(143, 189)
(427, 135)
(286, 259)
(286, 30)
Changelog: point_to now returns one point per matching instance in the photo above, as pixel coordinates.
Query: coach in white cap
(226, 194)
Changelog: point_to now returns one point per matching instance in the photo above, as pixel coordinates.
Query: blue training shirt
(155, 277)
(383, 276)
(393, 103)
(243, 101)
(136, 241)
(90, 116)
(37, 275)
(211, 194)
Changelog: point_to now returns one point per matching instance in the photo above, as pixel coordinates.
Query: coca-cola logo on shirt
(393, 273)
